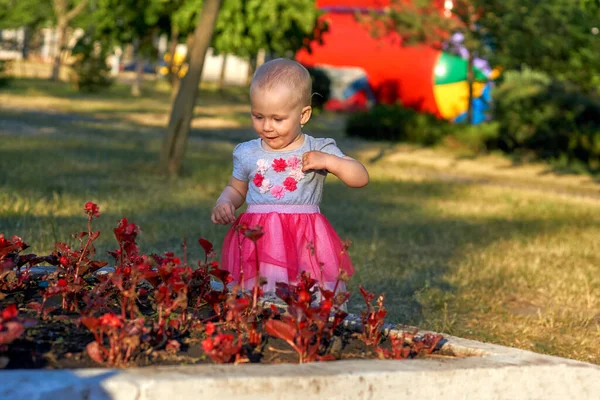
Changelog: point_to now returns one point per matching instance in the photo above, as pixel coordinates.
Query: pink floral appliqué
(290, 184)
(297, 174)
(262, 166)
(258, 179)
(266, 186)
(293, 162)
(279, 165)
(278, 192)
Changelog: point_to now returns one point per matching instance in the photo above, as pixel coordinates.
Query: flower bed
(157, 310)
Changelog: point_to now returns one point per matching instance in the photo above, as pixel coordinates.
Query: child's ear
(305, 115)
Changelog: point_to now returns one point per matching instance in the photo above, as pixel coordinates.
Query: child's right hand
(223, 214)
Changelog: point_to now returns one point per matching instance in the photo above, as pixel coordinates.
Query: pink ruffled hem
(292, 243)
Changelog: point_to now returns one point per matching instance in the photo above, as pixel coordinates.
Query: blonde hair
(287, 73)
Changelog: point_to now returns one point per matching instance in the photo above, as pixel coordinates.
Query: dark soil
(60, 342)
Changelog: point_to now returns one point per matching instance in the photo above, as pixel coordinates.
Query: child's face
(276, 117)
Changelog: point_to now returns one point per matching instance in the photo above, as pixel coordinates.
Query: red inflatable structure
(420, 77)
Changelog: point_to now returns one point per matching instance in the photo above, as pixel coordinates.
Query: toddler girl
(280, 175)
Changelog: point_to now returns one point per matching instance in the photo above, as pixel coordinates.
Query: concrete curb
(506, 374)
(477, 371)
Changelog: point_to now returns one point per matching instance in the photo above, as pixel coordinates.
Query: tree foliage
(552, 36)
(277, 26)
(185, 15)
(127, 20)
(590, 5)
(549, 118)
(90, 73)
(19, 13)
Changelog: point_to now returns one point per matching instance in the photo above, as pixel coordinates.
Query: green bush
(548, 118)
(397, 123)
(90, 70)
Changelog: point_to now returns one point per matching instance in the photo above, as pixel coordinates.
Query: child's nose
(267, 125)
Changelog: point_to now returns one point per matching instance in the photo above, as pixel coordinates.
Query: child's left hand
(315, 160)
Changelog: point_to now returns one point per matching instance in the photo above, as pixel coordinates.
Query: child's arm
(232, 198)
(347, 169)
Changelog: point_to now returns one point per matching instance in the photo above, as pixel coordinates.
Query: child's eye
(278, 119)
(257, 117)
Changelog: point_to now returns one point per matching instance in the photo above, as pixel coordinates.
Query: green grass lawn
(495, 262)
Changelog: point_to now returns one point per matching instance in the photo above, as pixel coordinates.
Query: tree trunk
(136, 87)
(63, 17)
(182, 109)
(61, 32)
(25, 45)
(136, 84)
(221, 82)
(470, 81)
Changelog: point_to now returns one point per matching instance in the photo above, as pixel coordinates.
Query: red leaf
(173, 346)
(327, 294)
(34, 305)
(90, 322)
(94, 236)
(152, 277)
(12, 330)
(221, 275)
(95, 266)
(206, 245)
(7, 250)
(29, 258)
(94, 352)
(368, 296)
(281, 330)
(80, 235)
(62, 247)
(327, 357)
(9, 312)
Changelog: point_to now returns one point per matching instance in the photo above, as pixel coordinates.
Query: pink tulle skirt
(297, 238)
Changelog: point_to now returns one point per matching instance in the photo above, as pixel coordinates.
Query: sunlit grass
(489, 262)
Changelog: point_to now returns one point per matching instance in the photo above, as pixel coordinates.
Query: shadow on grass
(152, 90)
(553, 166)
(102, 116)
(402, 247)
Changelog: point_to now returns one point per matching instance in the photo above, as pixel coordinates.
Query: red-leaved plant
(372, 318)
(222, 347)
(199, 285)
(12, 274)
(408, 345)
(307, 328)
(11, 328)
(148, 303)
(116, 339)
(72, 266)
(171, 295)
